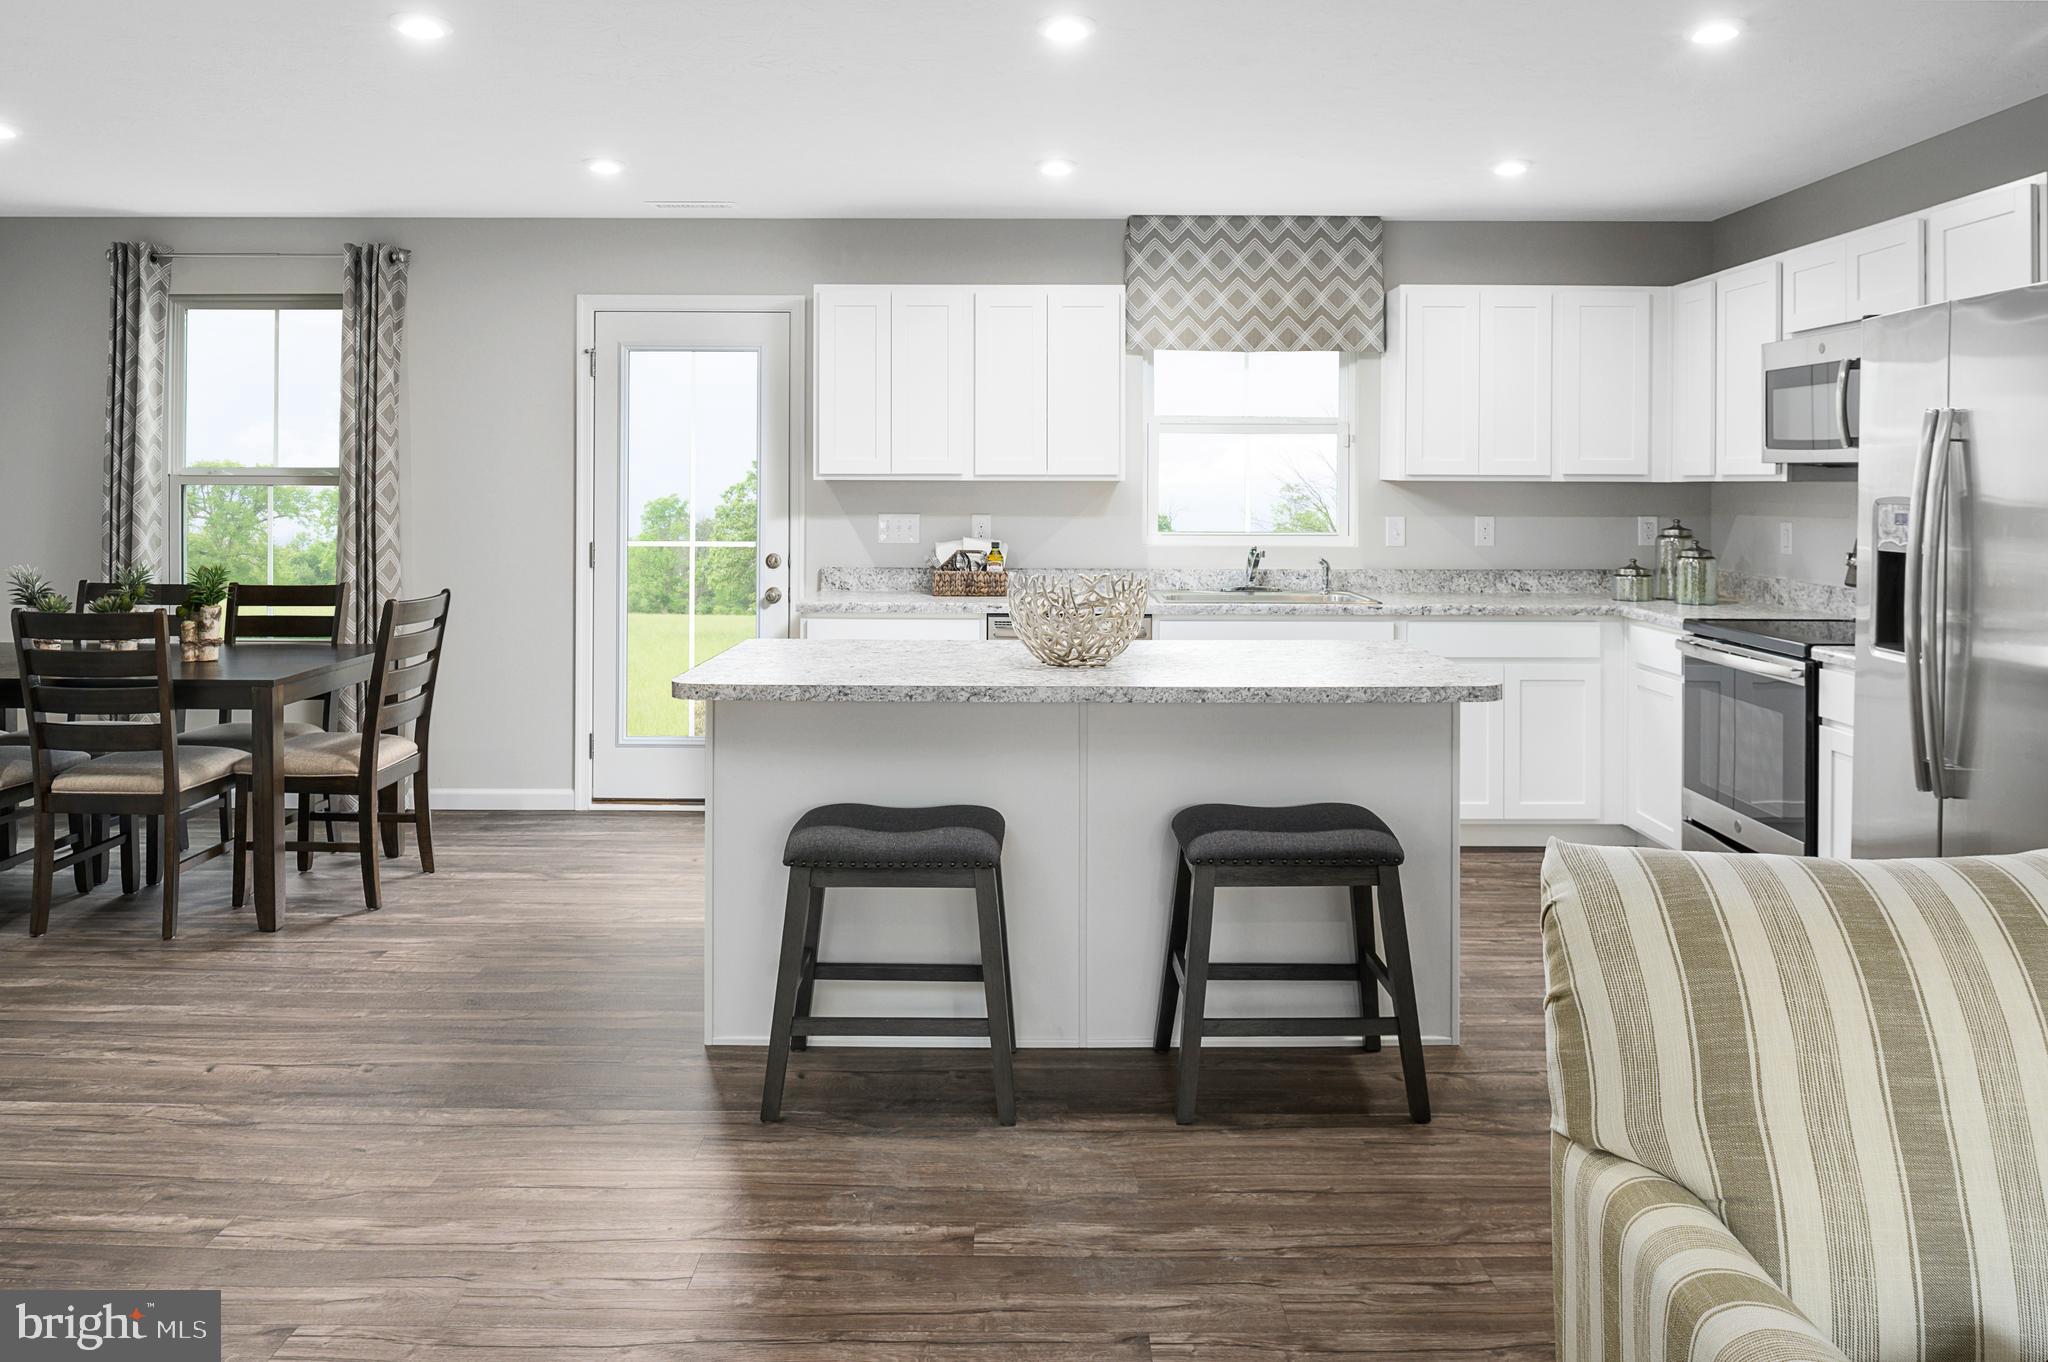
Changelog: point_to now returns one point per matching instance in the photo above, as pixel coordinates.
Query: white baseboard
(1536, 834)
(499, 797)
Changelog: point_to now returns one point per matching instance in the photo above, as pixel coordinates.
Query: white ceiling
(940, 108)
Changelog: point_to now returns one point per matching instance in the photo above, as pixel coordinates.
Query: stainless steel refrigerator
(1952, 603)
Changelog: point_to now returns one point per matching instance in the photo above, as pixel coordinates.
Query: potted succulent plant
(132, 584)
(200, 625)
(31, 590)
(114, 603)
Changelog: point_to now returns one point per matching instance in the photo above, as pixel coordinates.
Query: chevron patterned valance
(1220, 283)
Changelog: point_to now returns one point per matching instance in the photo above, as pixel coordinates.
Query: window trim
(1344, 426)
(178, 476)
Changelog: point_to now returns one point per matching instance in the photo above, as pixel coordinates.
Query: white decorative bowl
(1080, 619)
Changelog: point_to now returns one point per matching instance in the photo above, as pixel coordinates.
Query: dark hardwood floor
(481, 1125)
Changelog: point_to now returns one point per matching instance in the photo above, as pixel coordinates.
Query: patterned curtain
(1210, 283)
(372, 342)
(132, 501)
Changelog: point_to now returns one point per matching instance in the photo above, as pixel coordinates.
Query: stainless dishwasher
(999, 626)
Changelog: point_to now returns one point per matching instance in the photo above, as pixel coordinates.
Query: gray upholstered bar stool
(866, 845)
(1337, 845)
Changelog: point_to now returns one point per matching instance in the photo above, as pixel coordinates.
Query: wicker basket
(945, 583)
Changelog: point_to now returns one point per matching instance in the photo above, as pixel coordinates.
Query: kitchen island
(1087, 766)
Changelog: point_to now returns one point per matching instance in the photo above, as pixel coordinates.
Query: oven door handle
(1791, 673)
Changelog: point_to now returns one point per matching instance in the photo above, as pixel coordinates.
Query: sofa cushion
(1844, 1060)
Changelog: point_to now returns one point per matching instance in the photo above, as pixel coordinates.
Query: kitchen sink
(1261, 596)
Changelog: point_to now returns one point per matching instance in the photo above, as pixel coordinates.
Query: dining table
(261, 678)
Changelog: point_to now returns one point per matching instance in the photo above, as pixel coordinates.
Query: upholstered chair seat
(142, 773)
(16, 767)
(335, 754)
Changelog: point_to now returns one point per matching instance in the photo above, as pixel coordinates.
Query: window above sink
(1249, 445)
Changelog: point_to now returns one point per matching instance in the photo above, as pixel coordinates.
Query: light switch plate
(1397, 531)
(1784, 536)
(1482, 531)
(981, 527)
(1646, 531)
(898, 529)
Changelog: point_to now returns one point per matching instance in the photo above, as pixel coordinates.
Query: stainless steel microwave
(1813, 383)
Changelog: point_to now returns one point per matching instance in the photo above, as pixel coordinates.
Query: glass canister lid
(1634, 569)
(1675, 530)
(1698, 552)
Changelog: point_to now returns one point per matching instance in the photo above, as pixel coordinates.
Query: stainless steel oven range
(1750, 728)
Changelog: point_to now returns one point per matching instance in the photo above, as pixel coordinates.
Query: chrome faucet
(1251, 565)
(1325, 564)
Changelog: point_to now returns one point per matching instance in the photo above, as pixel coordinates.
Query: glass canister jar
(1634, 582)
(1673, 540)
(1696, 578)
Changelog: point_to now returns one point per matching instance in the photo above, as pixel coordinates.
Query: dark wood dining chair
(163, 596)
(258, 612)
(368, 765)
(113, 707)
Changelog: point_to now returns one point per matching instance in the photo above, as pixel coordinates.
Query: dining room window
(255, 437)
(1245, 445)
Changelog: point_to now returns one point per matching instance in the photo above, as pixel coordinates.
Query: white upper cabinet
(1602, 389)
(1514, 382)
(923, 381)
(853, 389)
(1009, 382)
(1084, 382)
(1517, 381)
(931, 380)
(1816, 286)
(1745, 321)
(1693, 402)
(1884, 269)
(1985, 243)
(1439, 380)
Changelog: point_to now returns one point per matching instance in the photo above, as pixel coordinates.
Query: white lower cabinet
(882, 626)
(1836, 754)
(1553, 742)
(1482, 755)
(1656, 745)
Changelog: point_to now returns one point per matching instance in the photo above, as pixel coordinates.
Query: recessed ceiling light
(7, 134)
(421, 28)
(602, 165)
(1066, 29)
(1055, 168)
(1509, 170)
(1714, 34)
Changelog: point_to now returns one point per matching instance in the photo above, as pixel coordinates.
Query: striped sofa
(1799, 1108)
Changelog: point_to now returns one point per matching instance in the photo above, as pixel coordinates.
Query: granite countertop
(1487, 605)
(1284, 671)
(1844, 658)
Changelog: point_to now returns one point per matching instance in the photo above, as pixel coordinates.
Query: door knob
(772, 595)
(773, 560)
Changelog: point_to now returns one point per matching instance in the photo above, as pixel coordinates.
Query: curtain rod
(250, 255)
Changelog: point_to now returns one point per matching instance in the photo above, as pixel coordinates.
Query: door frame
(588, 306)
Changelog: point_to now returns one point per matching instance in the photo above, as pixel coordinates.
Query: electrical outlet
(1646, 531)
(1397, 531)
(1482, 531)
(981, 527)
(898, 529)
(1784, 536)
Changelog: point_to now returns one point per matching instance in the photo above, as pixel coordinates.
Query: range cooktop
(1788, 637)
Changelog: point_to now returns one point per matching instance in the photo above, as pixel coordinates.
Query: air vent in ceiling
(686, 204)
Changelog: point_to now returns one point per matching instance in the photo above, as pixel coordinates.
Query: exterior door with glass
(692, 442)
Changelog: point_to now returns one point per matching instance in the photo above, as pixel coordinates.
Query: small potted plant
(31, 590)
(200, 626)
(132, 584)
(114, 603)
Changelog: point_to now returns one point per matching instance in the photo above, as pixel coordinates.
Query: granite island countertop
(1391, 605)
(1183, 672)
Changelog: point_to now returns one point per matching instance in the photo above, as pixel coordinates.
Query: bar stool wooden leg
(1003, 932)
(807, 982)
(795, 917)
(1368, 982)
(1394, 927)
(1176, 940)
(1201, 915)
(995, 980)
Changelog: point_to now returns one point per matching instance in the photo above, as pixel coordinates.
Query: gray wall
(2009, 145)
